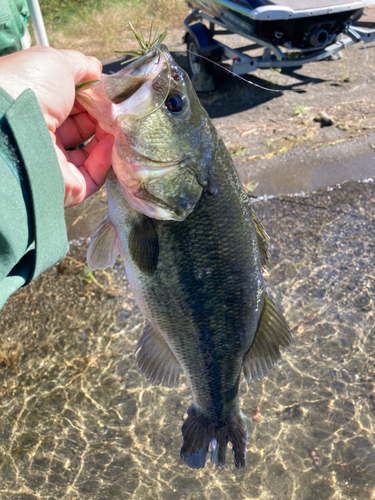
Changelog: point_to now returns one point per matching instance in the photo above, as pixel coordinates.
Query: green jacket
(32, 227)
(13, 17)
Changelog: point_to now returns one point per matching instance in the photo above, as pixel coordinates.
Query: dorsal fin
(144, 245)
(103, 249)
(263, 239)
(155, 358)
(272, 333)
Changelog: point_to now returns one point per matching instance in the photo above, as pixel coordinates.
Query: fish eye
(175, 102)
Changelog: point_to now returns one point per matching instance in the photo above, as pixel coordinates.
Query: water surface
(78, 421)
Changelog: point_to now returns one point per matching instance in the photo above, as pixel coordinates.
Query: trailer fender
(206, 44)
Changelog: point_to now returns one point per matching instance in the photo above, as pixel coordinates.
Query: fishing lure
(145, 47)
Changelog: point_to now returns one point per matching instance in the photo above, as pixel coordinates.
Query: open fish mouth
(113, 95)
(141, 106)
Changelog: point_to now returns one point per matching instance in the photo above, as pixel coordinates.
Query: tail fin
(198, 432)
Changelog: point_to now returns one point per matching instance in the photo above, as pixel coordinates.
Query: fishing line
(241, 78)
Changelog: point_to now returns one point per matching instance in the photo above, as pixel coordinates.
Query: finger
(99, 132)
(77, 108)
(98, 163)
(83, 68)
(91, 145)
(76, 130)
(91, 173)
(79, 156)
(75, 185)
(99, 135)
(58, 143)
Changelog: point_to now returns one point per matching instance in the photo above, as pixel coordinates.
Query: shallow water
(77, 420)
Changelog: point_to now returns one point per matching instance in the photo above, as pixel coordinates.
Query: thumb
(83, 68)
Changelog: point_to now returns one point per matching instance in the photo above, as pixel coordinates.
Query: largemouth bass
(192, 247)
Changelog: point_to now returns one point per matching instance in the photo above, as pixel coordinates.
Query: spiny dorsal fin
(155, 358)
(272, 332)
(144, 245)
(103, 249)
(263, 239)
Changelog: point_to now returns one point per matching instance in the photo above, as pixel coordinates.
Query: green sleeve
(32, 227)
(13, 17)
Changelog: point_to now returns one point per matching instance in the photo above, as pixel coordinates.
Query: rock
(324, 119)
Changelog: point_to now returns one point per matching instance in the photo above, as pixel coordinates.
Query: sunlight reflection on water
(78, 421)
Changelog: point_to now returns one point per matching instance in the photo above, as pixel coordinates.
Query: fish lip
(166, 164)
(151, 169)
(154, 168)
(138, 63)
(134, 66)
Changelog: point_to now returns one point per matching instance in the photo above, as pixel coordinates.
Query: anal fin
(272, 333)
(263, 239)
(103, 249)
(155, 358)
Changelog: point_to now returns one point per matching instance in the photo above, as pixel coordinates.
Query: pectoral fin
(272, 333)
(144, 245)
(155, 358)
(103, 249)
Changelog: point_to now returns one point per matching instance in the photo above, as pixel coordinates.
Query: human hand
(52, 75)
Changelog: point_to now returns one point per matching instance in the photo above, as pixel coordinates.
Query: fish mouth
(164, 190)
(137, 67)
(150, 169)
(164, 164)
(141, 65)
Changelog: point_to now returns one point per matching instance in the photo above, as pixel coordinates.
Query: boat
(278, 34)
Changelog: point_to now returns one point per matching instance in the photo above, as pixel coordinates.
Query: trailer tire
(197, 64)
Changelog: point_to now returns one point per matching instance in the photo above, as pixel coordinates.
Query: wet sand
(78, 421)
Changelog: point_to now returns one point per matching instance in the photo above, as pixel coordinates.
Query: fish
(192, 247)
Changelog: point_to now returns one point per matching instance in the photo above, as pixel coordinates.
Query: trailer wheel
(197, 64)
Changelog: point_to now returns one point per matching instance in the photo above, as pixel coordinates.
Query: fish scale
(193, 251)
